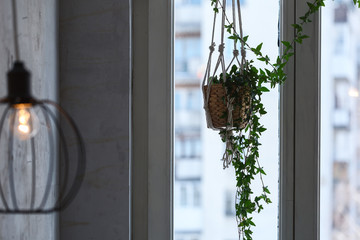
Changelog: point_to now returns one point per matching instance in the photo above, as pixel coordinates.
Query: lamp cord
(15, 31)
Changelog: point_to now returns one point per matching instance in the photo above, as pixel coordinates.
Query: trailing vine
(245, 141)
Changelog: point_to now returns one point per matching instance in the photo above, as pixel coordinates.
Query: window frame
(151, 171)
(300, 131)
(152, 125)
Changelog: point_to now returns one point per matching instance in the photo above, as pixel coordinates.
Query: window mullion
(152, 120)
(300, 120)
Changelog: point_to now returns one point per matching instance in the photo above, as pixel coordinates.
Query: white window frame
(152, 125)
(152, 120)
(300, 131)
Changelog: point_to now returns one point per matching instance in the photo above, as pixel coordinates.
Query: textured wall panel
(94, 87)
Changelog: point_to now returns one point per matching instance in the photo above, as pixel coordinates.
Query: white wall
(93, 43)
(36, 21)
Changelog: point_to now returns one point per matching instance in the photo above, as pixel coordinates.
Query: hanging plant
(232, 103)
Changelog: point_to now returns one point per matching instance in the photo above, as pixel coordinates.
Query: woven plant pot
(218, 106)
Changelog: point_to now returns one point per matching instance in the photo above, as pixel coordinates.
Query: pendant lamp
(42, 154)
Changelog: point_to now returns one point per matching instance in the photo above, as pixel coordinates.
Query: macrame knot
(228, 154)
(236, 53)
(243, 53)
(230, 106)
(221, 48)
(212, 47)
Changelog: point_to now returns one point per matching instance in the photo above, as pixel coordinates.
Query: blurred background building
(340, 159)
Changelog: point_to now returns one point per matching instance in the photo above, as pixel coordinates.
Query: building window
(340, 13)
(188, 146)
(177, 101)
(187, 55)
(229, 203)
(197, 195)
(189, 193)
(194, 100)
(188, 99)
(341, 93)
(341, 198)
(340, 43)
(183, 195)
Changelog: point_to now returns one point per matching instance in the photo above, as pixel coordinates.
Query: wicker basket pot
(218, 106)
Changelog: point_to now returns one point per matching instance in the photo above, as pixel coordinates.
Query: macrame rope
(243, 51)
(227, 135)
(221, 60)
(206, 95)
(212, 49)
(220, 65)
(15, 30)
(234, 19)
(235, 51)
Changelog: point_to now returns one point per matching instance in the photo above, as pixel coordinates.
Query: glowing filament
(24, 116)
(24, 128)
(25, 121)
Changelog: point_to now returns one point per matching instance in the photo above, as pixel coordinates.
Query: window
(341, 93)
(197, 195)
(229, 203)
(152, 118)
(187, 52)
(188, 195)
(340, 13)
(188, 144)
(197, 155)
(183, 195)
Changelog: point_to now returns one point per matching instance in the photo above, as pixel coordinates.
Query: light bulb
(24, 121)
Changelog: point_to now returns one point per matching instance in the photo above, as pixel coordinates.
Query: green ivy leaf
(310, 5)
(258, 48)
(298, 40)
(262, 112)
(303, 36)
(262, 129)
(265, 189)
(298, 27)
(287, 44)
(263, 59)
(264, 89)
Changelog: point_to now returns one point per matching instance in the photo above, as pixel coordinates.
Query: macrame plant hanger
(208, 80)
(208, 76)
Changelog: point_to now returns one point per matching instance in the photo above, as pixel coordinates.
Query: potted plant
(241, 90)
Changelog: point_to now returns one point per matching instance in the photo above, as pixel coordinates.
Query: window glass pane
(340, 122)
(204, 206)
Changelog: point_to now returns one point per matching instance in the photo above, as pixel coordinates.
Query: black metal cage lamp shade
(42, 154)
